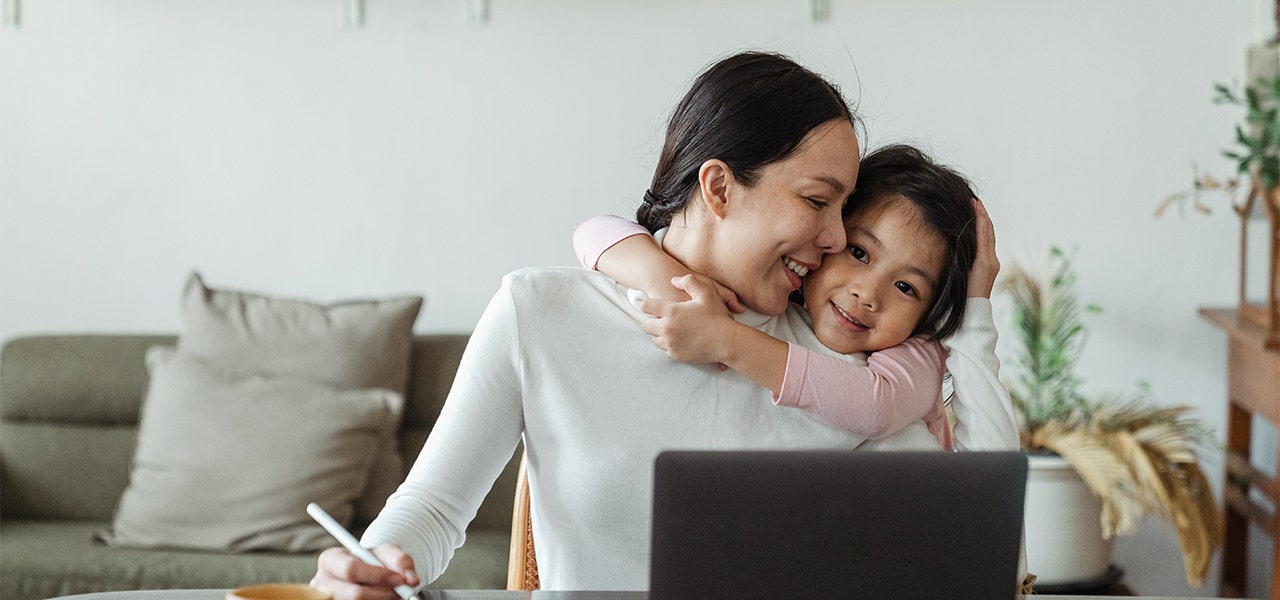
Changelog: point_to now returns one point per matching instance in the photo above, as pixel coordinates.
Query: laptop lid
(836, 524)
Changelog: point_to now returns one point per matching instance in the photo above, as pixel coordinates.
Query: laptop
(836, 524)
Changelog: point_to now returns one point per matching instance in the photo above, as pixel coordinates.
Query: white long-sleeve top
(558, 357)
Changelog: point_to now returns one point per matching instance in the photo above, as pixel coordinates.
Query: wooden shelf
(1253, 389)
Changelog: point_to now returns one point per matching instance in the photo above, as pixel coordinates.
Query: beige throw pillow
(349, 345)
(227, 460)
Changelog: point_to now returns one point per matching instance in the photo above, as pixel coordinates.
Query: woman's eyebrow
(835, 184)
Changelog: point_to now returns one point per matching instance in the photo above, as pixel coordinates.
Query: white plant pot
(1064, 527)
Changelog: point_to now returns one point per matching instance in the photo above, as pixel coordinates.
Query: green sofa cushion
(58, 470)
(40, 559)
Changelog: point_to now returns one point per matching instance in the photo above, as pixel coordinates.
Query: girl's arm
(626, 252)
(896, 387)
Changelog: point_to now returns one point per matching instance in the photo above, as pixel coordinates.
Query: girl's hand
(728, 296)
(986, 266)
(670, 291)
(347, 577)
(695, 331)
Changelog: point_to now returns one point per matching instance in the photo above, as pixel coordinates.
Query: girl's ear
(715, 178)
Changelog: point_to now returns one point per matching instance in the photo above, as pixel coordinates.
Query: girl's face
(873, 296)
(778, 229)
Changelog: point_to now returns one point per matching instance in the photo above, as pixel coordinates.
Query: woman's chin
(771, 307)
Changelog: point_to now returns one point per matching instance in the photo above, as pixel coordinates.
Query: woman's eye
(858, 253)
(818, 203)
(905, 288)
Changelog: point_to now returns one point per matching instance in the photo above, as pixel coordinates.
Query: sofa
(69, 414)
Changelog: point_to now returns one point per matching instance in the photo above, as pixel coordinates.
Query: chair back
(522, 565)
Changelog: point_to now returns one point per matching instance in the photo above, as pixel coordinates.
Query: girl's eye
(905, 288)
(858, 253)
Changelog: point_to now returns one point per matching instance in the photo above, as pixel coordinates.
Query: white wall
(259, 142)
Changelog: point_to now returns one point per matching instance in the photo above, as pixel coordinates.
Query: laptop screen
(836, 524)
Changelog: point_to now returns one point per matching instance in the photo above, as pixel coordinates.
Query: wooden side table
(1253, 388)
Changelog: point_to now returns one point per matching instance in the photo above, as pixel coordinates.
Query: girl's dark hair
(943, 198)
(748, 110)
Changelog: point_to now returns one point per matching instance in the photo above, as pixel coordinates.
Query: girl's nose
(863, 291)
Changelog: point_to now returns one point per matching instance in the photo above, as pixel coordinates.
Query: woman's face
(873, 296)
(778, 229)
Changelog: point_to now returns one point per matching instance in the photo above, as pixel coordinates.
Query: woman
(759, 159)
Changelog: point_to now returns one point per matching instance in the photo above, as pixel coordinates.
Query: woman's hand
(349, 578)
(986, 266)
(694, 331)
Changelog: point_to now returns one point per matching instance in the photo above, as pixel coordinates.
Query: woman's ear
(715, 178)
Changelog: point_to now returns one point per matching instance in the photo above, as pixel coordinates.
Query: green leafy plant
(1047, 316)
(1258, 138)
(1139, 458)
(1256, 153)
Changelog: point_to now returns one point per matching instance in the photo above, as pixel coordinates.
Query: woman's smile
(795, 271)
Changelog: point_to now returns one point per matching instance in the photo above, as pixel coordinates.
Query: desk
(451, 595)
(1253, 388)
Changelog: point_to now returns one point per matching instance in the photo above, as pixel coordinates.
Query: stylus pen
(349, 542)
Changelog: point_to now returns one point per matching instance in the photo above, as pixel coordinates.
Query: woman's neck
(688, 242)
(684, 244)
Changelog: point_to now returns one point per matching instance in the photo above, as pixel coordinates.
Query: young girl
(901, 286)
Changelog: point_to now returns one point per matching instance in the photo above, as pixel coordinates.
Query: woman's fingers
(396, 560)
(986, 265)
(344, 590)
(349, 578)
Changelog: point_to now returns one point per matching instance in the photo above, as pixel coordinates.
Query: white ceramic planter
(1064, 528)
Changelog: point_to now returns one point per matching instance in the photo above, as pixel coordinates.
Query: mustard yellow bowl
(278, 591)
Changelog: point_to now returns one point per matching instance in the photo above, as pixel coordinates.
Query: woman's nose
(831, 238)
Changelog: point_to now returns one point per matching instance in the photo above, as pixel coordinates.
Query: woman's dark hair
(943, 198)
(748, 110)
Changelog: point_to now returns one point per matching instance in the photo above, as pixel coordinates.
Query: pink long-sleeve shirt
(891, 389)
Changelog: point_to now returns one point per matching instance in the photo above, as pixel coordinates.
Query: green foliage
(1048, 318)
(1051, 335)
(1258, 139)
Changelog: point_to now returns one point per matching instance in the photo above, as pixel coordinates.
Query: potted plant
(1109, 461)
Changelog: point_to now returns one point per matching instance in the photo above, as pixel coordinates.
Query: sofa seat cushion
(42, 559)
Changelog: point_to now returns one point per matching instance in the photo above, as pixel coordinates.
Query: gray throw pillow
(356, 344)
(350, 345)
(228, 460)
